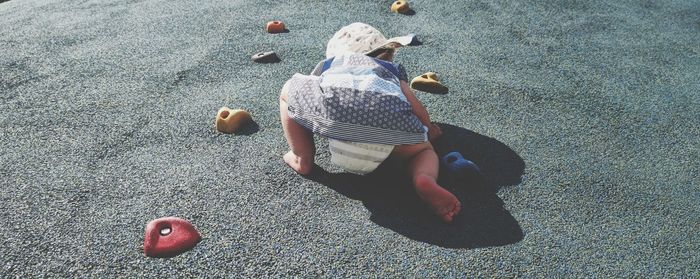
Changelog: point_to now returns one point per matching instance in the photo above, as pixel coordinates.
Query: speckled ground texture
(584, 116)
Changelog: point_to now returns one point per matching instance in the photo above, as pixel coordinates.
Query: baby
(361, 101)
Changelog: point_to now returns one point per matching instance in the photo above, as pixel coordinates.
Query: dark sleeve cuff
(402, 72)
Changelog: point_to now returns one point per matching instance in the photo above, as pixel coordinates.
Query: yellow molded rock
(428, 82)
(400, 6)
(230, 121)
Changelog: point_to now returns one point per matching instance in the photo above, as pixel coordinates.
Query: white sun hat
(361, 38)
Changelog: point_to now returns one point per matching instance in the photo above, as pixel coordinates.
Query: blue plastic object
(460, 168)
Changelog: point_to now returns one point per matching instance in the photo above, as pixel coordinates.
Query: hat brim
(401, 40)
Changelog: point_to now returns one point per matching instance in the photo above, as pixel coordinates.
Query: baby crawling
(361, 101)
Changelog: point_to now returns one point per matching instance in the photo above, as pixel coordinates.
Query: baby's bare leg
(300, 140)
(424, 167)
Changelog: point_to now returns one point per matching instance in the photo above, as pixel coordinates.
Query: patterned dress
(357, 99)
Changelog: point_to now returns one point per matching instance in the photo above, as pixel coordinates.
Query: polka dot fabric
(357, 100)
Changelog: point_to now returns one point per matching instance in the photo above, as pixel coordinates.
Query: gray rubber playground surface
(584, 115)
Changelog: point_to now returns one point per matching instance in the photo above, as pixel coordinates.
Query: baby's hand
(434, 132)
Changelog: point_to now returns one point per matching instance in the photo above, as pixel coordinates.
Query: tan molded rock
(400, 6)
(275, 27)
(428, 82)
(230, 121)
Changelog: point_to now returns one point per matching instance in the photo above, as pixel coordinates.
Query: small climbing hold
(266, 57)
(169, 237)
(400, 6)
(428, 82)
(455, 162)
(230, 121)
(275, 27)
(459, 169)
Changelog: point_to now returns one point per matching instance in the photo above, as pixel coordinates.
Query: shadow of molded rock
(249, 129)
(500, 165)
(483, 222)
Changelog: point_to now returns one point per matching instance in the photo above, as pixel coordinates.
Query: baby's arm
(419, 110)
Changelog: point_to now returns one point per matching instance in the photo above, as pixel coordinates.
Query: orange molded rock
(428, 82)
(230, 121)
(275, 27)
(400, 6)
(169, 237)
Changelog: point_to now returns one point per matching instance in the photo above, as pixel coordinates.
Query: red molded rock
(275, 27)
(169, 237)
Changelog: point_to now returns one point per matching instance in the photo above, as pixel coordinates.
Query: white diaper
(355, 157)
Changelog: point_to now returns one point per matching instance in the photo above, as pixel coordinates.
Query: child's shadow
(387, 193)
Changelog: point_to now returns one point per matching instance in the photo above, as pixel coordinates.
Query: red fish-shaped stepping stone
(169, 237)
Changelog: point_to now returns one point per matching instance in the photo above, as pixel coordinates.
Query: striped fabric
(359, 158)
(356, 133)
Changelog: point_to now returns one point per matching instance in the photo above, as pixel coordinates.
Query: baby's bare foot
(443, 203)
(297, 163)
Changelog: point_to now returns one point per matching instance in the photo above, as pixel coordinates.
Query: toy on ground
(428, 82)
(460, 169)
(400, 6)
(230, 121)
(169, 237)
(275, 27)
(265, 57)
